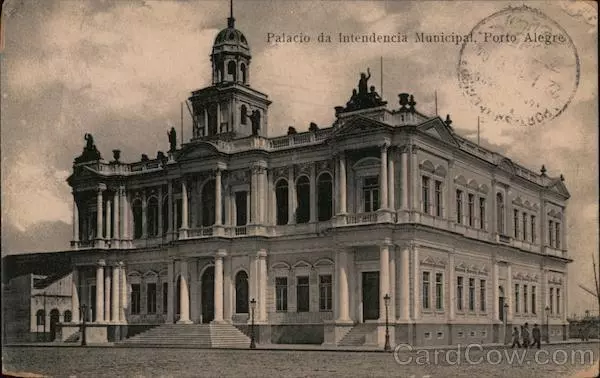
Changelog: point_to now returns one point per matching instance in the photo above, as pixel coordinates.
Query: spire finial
(230, 20)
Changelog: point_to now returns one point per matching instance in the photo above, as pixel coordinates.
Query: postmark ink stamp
(522, 69)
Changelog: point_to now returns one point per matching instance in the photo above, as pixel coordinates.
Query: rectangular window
(482, 295)
(165, 297)
(533, 303)
(281, 293)
(459, 293)
(551, 300)
(302, 294)
(439, 291)
(517, 298)
(438, 198)
(135, 299)
(425, 293)
(471, 294)
(533, 234)
(425, 187)
(325, 293)
(557, 300)
(471, 209)
(516, 223)
(371, 194)
(525, 307)
(524, 226)
(459, 206)
(557, 236)
(482, 213)
(241, 199)
(550, 233)
(151, 298)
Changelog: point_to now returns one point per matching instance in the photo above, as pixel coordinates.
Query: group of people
(524, 336)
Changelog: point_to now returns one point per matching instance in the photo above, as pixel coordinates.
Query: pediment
(507, 166)
(358, 125)
(199, 151)
(436, 128)
(558, 186)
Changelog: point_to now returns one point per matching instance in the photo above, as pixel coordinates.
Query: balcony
(200, 232)
(362, 218)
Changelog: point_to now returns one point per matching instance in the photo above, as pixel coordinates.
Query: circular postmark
(522, 68)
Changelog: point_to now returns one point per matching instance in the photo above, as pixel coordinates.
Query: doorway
(370, 295)
(54, 319)
(208, 295)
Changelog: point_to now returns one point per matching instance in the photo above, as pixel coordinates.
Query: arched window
(243, 71)
(243, 114)
(500, 213)
(137, 219)
(165, 215)
(208, 204)
(152, 214)
(40, 317)
(281, 197)
(231, 70)
(325, 197)
(241, 292)
(67, 316)
(303, 195)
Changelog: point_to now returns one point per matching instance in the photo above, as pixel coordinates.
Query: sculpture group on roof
(366, 97)
(90, 152)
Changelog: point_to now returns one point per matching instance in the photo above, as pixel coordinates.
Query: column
(171, 291)
(108, 220)
(218, 118)
(75, 221)
(391, 183)
(343, 187)
(509, 293)
(114, 309)
(228, 290)
(123, 305)
(254, 218)
(75, 295)
(383, 179)
(291, 196)
(262, 193)
(405, 284)
(272, 200)
(184, 296)
(144, 215)
(107, 292)
(170, 206)
(384, 276)
(218, 199)
(262, 285)
(313, 193)
(451, 288)
(100, 291)
(404, 179)
(414, 174)
(392, 283)
(342, 286)
(416, 291)
(99, 223)
(116, 217)
(205, 122)
(123, 214)
(184, 204)
(219, 285)
(496, 290)
(160, 212)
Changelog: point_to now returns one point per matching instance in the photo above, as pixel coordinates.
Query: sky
(120, 70)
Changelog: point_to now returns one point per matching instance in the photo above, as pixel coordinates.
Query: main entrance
(370, 295)
(208, 295)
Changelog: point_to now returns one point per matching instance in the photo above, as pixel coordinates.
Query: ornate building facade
(317, 227)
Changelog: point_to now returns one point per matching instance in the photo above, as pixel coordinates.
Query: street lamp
(83, 317)
(505, 316)
(252, 307)
(386, 300)
(547, 310)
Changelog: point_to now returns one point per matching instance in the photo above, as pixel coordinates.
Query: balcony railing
(200, 232)
(360, 218)
(240, 231)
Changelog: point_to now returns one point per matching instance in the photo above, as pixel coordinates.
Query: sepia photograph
(313, 188)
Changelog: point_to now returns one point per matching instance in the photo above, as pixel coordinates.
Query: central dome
(231, 39)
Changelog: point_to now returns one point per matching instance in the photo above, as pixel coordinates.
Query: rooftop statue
(90, 152)
(363, 98)
(172, 139)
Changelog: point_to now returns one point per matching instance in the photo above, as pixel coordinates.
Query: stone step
(205, 335)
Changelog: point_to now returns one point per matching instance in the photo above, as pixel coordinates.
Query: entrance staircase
(358, 334)
(191, 335)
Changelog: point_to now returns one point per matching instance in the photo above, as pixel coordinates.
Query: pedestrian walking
(515, 337)
(537, 336)
(525, 335)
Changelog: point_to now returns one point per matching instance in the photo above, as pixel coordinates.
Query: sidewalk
(293, 347)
